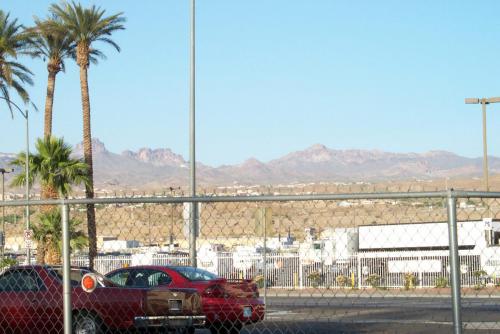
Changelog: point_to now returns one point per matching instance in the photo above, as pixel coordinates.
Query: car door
(19, 292)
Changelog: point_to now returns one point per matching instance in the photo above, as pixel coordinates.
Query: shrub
(441, 282)
(373, 280)
(259, 280)
(342, 280)
(481, 277)
(315, 278)
(410, 281)
(7, 262)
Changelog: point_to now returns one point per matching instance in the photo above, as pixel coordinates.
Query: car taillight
(215, 291)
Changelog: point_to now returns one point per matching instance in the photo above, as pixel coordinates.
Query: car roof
(151, 266)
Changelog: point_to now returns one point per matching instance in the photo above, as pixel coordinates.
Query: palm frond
(15, 41)
(88, 25)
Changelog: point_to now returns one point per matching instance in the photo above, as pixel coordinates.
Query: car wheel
(85, 323)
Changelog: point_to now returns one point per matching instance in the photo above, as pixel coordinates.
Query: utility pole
(2, 237)
(192, 159)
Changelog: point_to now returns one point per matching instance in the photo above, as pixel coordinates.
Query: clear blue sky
(278, 76)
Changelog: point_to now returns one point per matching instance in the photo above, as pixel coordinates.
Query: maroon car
(228, 305)
(31, 301)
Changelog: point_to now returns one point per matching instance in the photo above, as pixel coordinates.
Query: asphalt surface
(375, 315)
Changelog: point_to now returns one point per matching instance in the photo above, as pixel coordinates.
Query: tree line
(69, 31)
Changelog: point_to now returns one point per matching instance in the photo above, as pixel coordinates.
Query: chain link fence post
(193, 233)
(454, 262)
(267, 217)
(66, 269)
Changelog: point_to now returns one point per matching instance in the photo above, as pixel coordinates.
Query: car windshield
(77, 274)
(195, 274)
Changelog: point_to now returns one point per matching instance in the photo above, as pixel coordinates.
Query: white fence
(289, 271)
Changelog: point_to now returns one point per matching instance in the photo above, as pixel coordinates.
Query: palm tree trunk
(53, 255)
(49, 102)
(40, 251)
(48, 192)
(87, 154)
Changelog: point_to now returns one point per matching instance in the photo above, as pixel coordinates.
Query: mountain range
(161, 168)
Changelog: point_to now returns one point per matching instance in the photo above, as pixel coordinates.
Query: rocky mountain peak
(97, 147)
(252, 162)
(156, 157)
(317, 147)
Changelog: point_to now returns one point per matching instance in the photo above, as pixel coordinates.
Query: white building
(119, 245)
(334, 245)
(208, 257)
(411, 246)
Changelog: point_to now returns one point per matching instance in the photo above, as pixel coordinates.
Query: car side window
(158, 278)
(120, 277)
(138, 279)
(20, 280)
(145, 278)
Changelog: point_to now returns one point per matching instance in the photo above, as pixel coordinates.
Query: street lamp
(484, 101)
(4, 171)
(27, 167)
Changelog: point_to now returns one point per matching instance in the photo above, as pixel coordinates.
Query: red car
(228, 305)
(31, 301)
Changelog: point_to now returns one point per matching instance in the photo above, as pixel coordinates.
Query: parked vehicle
(31, 300)
(227, 304)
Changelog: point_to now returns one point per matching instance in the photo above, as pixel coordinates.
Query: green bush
(259, 280)
(315, 277)
(7, 262)
(441, 282)
(342, 280)
(373, 280)
(481, 276)
(410, 281)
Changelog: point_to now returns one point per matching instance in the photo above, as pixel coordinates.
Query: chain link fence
(296, 263)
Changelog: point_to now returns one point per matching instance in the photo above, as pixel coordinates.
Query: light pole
(27, 168)
(484, 101)
(4, 171)
(192, 133)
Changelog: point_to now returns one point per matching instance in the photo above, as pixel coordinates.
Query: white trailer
(480, 238)
(476, 235)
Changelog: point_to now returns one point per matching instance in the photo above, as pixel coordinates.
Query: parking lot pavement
(375, 315)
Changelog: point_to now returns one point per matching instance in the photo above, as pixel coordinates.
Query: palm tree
(53, 167)
(51, 43)
(56, 171)
(85, 26)
(48, 233)
(14, 42)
